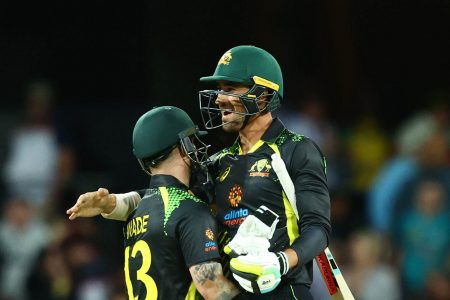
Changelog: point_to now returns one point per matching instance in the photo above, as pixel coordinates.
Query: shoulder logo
(225, 174)
(226, 58)
(235, 195)
(260, 168)
(210, 244)
(209, 234)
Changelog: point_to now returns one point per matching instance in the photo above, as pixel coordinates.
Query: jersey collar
(270, 136)
(273, 132)
(167, 181)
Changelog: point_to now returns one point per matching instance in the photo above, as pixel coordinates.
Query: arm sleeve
(308, 170)
(197, 233)
(125, 204)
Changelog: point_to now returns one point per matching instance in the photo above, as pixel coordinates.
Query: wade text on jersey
(136, 226)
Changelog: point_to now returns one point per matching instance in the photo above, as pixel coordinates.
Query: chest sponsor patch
(235, 217)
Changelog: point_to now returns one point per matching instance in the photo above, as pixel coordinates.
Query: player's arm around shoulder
(211, 283)
(110, 206)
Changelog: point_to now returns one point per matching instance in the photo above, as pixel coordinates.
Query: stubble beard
(235, 125)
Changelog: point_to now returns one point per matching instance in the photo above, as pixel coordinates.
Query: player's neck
(176, 167)
(254, 130)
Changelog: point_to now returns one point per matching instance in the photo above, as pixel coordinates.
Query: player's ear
(184, 155)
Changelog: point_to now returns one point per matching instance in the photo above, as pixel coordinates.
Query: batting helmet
(248, 65)
(160, 130)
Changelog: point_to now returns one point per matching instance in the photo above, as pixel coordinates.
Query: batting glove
(259, 273)
(253, 234)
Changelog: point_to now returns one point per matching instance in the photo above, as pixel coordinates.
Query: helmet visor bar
(194, 147)
(212, 114)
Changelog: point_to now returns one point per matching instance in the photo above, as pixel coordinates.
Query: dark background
(111, 61)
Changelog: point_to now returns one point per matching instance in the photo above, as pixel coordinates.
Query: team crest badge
(226, 58)
(235, 195)
(261, 168)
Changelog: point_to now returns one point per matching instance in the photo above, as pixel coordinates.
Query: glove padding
(253, 234)
(259, 273)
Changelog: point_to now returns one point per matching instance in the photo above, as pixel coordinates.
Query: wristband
(284, 262)
(125, 203)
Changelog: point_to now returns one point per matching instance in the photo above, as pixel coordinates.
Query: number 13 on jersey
(141, 274)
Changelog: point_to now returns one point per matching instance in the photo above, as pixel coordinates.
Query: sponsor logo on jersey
(235, 217)
(260, 168)
(235, 195)
(225, 174)
(210, 246)
(209, 234)
(226, 58)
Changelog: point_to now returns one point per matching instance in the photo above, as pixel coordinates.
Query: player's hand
(259, 273)
(253, 234)
(243, 244)
(92, 204)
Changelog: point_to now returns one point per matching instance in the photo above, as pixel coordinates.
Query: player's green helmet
(248, 65)
(160, 130)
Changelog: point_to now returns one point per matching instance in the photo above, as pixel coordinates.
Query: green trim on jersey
(232, 150)
(172, 198)
(285, 134)
(295, 137)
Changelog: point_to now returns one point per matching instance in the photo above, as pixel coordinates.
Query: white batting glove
(253, 234)
(259, 273)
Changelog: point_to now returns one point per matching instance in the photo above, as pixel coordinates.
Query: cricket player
(249, 86)
(171, 249)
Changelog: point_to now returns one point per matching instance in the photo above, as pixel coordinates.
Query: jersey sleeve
(197, 231)
(308, 170)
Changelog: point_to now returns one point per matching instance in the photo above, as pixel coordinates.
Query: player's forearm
(222, 289)
(211, 283)
(121, 205)
(307, 246)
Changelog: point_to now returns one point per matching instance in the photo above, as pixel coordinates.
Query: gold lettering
(134, 226)
(129, 229)
(137, 226)
(144, 223)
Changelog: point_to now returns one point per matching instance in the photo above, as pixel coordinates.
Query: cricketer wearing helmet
(170, 237)
(250, 87)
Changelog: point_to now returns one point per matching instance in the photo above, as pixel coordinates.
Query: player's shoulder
(294, 144)
(178, 195)
(288, 137)
(183, 201)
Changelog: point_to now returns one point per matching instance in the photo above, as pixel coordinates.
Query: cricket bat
(332, 275)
